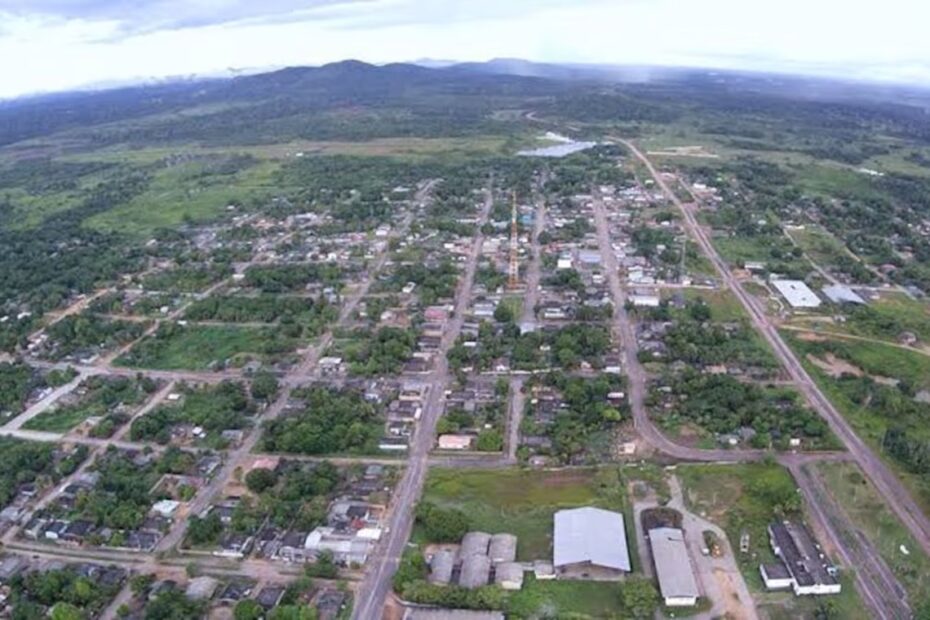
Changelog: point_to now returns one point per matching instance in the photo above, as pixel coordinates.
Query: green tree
(640, 598)
(264, 385)
(66, 611)
(248, 609)
(260, 479)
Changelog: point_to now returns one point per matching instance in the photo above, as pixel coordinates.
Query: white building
(797, 293)
(673, 567)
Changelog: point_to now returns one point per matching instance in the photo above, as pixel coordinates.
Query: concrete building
(201, 588)
(509, 575)
(645, 301)
(476, 571)
(475, 543)
(441, 566)
(805, 567)
(590, 543)
(797, 293)
(455, 442)
(839, 294)
(503, 548)
(673, 567)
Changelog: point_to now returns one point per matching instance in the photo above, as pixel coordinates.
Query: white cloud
(66, 50)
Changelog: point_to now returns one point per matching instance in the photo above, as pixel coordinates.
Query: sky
(54, 45)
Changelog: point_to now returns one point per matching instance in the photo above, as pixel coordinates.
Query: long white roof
(673, 566)
(590, 535)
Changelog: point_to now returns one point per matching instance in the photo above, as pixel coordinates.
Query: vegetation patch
(206, 347)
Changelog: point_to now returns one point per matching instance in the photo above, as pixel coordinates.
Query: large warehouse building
(590, 543)
(673, 567)
(797, 293)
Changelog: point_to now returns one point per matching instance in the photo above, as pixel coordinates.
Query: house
(673, 567)
(201, 588)
(455, 442)
(292, 547)
(165, 507)
(590, 543)
(269, 596)
(809, 570)
(330, 603)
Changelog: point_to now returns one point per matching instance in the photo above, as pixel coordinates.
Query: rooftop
(673, 566)
(590, 535)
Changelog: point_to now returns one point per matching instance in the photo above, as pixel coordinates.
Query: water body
(558, 150)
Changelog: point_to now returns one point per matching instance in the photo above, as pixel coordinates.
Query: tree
(442, 524)
(640, 598)
(503, 313)
(260, 479)
(248, 609)
(324, 567)
(66, 611)
(264, 385)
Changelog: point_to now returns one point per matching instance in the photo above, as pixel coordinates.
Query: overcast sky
(49, 45)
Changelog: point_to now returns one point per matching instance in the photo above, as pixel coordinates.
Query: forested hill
(281, 96)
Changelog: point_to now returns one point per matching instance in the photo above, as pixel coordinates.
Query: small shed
(440, 566)
(509, 575)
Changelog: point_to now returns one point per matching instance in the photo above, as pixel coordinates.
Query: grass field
(822, 247)
(204, 347)
(58, 420)
(870, 515)
(881, 361)
(557, 599)
(180, 194)
(724, 306)
(733, 497)
(522, 502)
(722, 494)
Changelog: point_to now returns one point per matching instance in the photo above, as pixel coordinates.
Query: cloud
(143, 16)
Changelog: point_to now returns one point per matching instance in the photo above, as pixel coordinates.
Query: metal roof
(837, 293)
(590, 535)
(673, 566)
(798, 294)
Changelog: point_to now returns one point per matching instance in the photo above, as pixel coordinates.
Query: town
(584, 374)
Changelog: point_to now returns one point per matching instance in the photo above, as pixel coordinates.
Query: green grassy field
(881, 361)
(179, 194)
(870, 514)
(722, 494)
(204, 347)
(520, 502)
(58, 420)
(557, 599)
(724, 306)
(822, 247)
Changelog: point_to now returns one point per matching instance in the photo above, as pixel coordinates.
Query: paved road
(376, 586)
(43, 405)
(895, 495)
